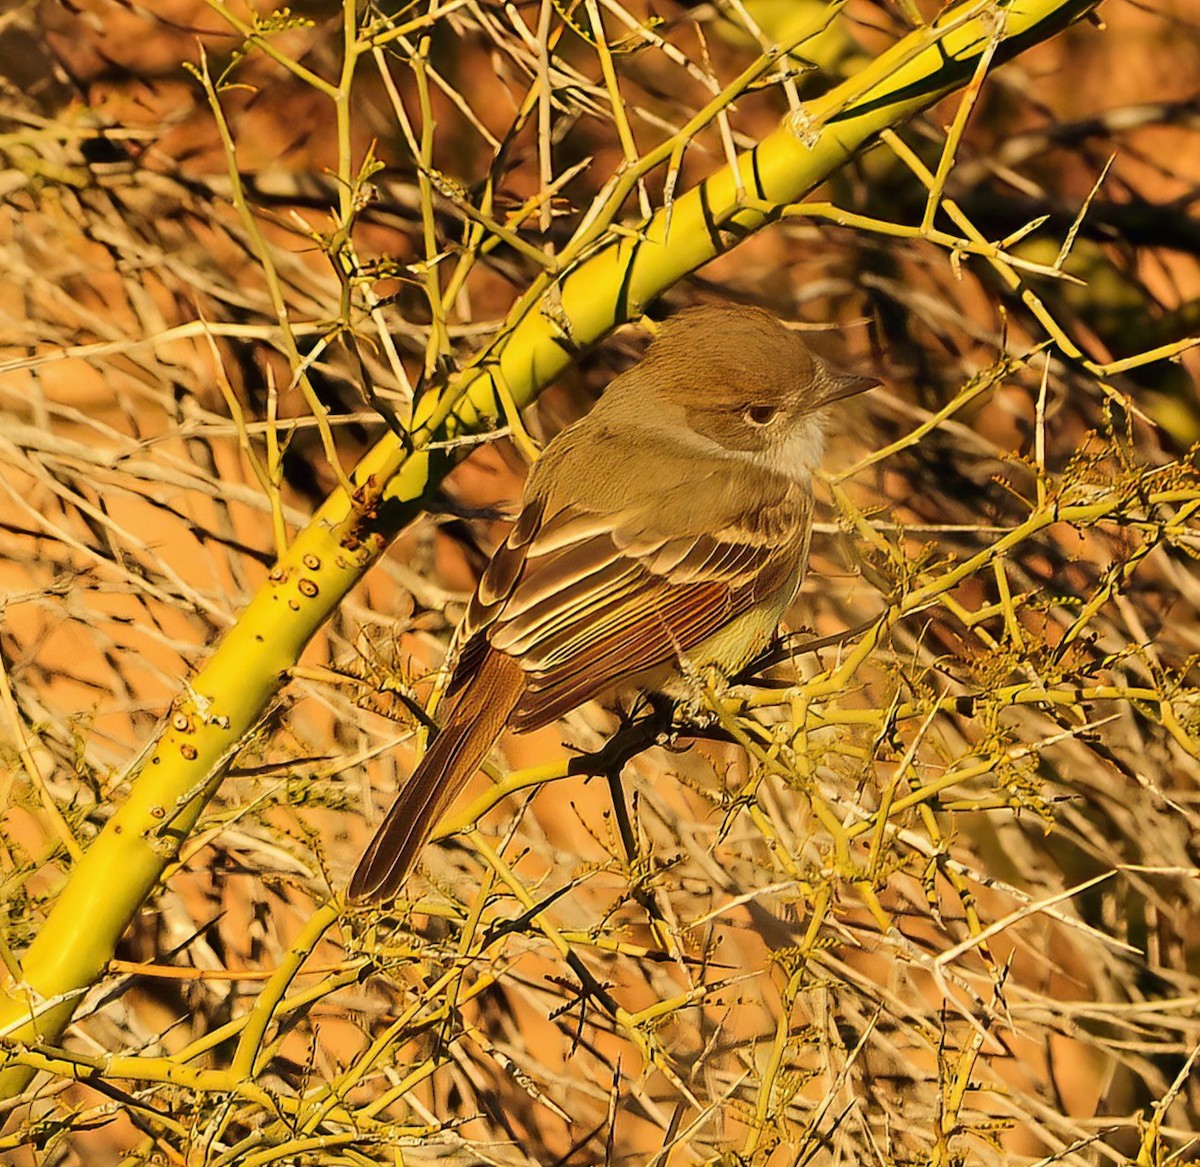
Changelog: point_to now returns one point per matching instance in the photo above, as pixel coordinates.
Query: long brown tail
(475, 721)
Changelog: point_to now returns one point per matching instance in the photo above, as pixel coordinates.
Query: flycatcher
(663, 534)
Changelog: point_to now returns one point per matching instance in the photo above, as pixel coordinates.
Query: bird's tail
(473, 723)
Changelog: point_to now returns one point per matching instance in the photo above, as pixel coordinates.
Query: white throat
(798, 455)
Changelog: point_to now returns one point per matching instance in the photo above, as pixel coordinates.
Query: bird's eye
(760, 414)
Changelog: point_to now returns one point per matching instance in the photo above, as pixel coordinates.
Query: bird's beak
(840, 385)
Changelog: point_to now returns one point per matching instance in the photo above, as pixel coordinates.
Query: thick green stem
(181, 768)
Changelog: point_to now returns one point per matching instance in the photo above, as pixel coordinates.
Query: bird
(662, 535)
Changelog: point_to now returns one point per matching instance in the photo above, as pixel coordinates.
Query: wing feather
(583, 600)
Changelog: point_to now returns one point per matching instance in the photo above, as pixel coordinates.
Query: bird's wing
(583, 600)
